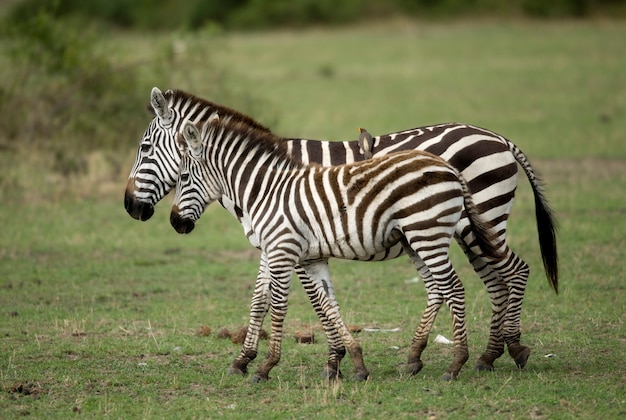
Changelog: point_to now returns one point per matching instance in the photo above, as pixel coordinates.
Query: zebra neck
(249, 165)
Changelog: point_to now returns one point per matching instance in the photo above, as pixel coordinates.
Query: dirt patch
(30, 388)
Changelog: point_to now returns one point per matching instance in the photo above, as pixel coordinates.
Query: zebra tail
(546, 221)
(484, 234)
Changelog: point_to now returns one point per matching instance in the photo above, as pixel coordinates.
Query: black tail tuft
(546, 228)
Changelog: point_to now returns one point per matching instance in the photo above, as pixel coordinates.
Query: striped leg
(317, 290)
(515, 271)
(319, 274)
(420, 339)
(506, 282)
(455, 298)
(499, 296)
(280, 266)
(258, 309)
(446, 285)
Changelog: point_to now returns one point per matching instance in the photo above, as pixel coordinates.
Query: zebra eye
(184, 177)
(146, 148)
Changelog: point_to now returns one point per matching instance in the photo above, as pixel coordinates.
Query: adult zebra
(302, 215)
(486, 160)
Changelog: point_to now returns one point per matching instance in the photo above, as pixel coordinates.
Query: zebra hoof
(520, 354)
(415, 367)
(449, 376)
(257, 379)
(331, 374)
(483, 366)
(361, 376)
(522, 357)
(237, 371)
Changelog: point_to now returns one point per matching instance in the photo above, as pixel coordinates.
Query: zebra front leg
(319, 273)
(316, 290)
(280, 268)
(258, 309)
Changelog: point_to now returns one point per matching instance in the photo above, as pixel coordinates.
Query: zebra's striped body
(304, 214)
(486, 160)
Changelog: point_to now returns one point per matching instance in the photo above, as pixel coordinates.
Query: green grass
(99, 314)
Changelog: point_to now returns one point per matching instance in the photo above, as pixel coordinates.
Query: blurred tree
(255, 14)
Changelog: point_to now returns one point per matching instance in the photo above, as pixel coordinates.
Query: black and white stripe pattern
(301, 215)
(155, 170)
(486, 160)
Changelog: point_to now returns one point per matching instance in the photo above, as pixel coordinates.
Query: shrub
(60, 97)
(64, 98)
(253, 14)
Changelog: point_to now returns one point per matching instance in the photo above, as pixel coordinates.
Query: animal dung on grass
(224, 333)
(239, 336)
(204, 331)
(355, 328)
(305, 336)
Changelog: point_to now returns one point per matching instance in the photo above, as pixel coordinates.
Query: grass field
(104, 316)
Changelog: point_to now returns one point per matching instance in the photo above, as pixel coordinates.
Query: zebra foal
(302, 215)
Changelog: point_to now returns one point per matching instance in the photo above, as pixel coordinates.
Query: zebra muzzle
(140, 210)
(181, 224)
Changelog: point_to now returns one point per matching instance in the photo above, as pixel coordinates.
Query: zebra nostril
(180, 224)
(147, 210)
(189, 225)
(137, 209)
(127, 202)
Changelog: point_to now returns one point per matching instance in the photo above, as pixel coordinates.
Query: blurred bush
(57, 85)
(64, 98)
(61, 101)
(263, 14)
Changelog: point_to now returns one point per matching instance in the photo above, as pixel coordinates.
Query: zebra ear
(159, 104)
(191, 134)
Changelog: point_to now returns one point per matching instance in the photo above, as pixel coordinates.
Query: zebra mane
(257, 140)
(177, 97)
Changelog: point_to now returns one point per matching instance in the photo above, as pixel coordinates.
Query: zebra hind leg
(454, 295)
(420, 338)
(442, 283)
(515, 271)
(505, 282)
(447, 284)
(319, 274)
(498, 295)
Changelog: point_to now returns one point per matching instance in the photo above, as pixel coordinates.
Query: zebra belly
(346, 249)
